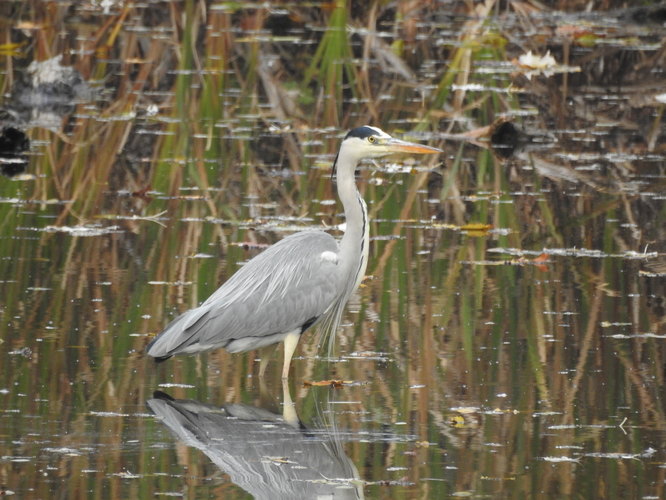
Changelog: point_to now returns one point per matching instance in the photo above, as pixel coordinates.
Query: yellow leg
(290, 343)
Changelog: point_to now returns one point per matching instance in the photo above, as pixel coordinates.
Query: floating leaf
(336, 384)
(472, 229)
(540, 261)
(476, 229)
(537, 261)
(457, 421)
(28, 25)
(583, 35)
(11, 49)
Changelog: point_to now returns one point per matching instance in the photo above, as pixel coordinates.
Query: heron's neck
(354, 244)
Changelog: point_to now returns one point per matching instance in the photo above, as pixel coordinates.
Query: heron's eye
(372, 139)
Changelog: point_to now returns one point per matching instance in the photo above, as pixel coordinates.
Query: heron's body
(299, 281)
(255, 309)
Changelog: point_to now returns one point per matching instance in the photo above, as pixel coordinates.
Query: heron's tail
(161, 359)
(178, 335)
(153, 350)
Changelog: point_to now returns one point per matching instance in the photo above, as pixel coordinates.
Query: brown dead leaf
(575, 32)
(143, 193)
(336, 384)
(539, 262)
(28, 25)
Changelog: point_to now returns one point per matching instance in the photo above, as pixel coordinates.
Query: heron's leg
(290, 343)
(266, 354)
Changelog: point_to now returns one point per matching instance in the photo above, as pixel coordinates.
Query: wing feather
(278, 291)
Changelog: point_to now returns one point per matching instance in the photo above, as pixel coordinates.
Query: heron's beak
(397, 146)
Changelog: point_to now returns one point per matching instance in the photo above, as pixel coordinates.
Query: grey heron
(302, 280)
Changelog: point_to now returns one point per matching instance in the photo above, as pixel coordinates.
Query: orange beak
(398, 146)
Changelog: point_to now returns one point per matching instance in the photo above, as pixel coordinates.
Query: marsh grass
(456, 321)
(331, 63)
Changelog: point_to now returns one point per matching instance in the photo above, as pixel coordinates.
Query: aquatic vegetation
(508, 339)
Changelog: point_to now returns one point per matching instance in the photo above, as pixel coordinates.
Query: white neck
(355, 242)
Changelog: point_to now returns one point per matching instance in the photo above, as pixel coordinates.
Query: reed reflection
(269, 455)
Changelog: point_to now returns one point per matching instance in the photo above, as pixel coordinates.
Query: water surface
(508, 341)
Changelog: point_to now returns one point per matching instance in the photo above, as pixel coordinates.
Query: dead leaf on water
(457, 421)
(11, 49)
(538, 262)
(28, 25)
(476, 229)
(335, 384)
(585, 36)
(471, 229)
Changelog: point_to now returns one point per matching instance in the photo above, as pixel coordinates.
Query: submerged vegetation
(509, 337)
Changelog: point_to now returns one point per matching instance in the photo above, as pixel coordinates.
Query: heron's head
(373, 142)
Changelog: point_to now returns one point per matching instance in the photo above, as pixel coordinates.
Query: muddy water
(509, 338)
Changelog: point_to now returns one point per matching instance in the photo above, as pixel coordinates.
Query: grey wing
(286, 288)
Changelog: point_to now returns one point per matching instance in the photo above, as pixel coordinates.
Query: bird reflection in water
(269, 455)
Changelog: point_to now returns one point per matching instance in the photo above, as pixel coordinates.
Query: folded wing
(287, 288)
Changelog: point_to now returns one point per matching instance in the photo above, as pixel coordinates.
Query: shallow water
(508, 340)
